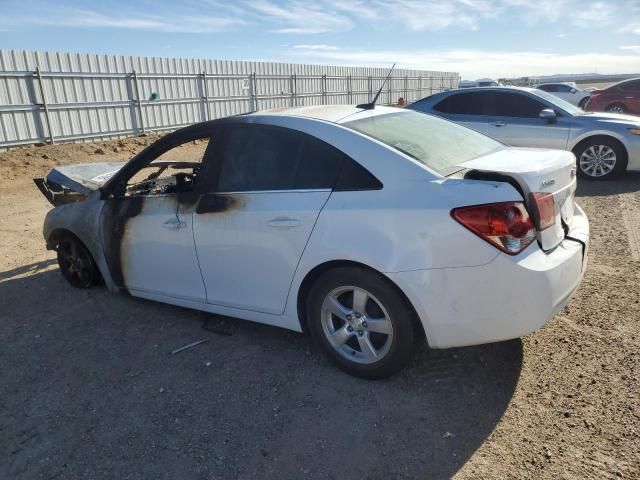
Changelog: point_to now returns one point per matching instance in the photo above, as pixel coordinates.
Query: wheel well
(317, 271)
(576, 148)
(57, 234)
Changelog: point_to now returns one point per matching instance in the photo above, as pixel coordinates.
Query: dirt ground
(88, 388)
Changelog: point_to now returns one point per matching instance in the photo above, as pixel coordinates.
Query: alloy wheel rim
(598, 160)
(75, 262)
(356, 324)
(616, 109)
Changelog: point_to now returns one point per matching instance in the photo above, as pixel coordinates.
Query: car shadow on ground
(626, 183)
(89, 388)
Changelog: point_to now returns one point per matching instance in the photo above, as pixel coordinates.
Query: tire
(76, 263)
(373, 342)
(600, 158)
(616, 108)
(583, 103)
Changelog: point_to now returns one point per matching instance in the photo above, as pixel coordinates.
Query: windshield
(564, 105)
(436, 143)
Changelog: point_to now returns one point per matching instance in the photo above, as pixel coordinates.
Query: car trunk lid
(73, 183)
(535, 171)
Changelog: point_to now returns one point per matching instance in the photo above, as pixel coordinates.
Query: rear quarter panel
(403, 227)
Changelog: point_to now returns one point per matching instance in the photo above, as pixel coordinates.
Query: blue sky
(478, 38)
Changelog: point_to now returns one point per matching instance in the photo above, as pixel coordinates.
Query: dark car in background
(621, 97)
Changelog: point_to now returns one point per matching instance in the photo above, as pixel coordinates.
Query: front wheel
(362, 322)
(616, 108)
(76, 263)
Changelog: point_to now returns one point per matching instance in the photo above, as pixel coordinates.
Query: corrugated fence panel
(59, 97)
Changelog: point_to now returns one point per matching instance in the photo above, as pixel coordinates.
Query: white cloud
(300, 17)
(81, 18)
(474, 64)
(316, 47)
(631, 48)
(597, 13)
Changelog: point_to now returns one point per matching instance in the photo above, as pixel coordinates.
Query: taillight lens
(545, 209)
(507, 226)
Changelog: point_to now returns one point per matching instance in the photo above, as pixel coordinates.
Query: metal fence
(53, 97)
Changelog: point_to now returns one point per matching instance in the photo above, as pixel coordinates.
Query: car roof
(488, 89)
(555, 83)
(329, 113)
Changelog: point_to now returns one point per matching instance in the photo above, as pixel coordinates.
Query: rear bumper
(506, 298)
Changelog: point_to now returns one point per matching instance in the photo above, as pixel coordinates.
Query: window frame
(116, 186)
(214, 186)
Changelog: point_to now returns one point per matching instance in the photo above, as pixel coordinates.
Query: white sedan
(370, 228)
(567, 92)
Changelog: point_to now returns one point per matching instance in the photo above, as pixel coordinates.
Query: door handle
(174, 223)
(498, 124)
(283, 222)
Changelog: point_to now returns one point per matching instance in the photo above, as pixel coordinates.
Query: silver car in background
(605, 144)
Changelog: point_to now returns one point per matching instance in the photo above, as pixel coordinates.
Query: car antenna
(372, 104)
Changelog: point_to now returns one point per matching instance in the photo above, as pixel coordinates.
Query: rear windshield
(436, 143)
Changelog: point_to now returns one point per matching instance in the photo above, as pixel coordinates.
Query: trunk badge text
(547, 183)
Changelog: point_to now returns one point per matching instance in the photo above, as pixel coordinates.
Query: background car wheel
(600, 158)
(616, 108)
(583, 102)
(76, 264)
(362, 322)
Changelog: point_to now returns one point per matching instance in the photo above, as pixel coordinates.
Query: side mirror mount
(549, 115)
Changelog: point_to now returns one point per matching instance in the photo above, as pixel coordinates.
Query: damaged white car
(372, 228)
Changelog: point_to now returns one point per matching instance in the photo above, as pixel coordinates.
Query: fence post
(44, 105)
(349, 94)
(324, 89)
(406, 88)
(430, 85)
(369, 86)
(136, 91)
(252, 93)
(291, 89)
(205, 95)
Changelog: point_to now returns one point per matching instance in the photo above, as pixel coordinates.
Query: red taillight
(507, 226)
(545, 209)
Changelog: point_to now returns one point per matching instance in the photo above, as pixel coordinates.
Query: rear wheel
(616, 108)
(75, 262)
(583, 102)
(600, 158)
(362, 322)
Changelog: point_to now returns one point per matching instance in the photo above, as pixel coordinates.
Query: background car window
(160, 175)
(516, 105)
(633, 86)
(259, 157)
(564, 88)
(468, 103)
(548, 88)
